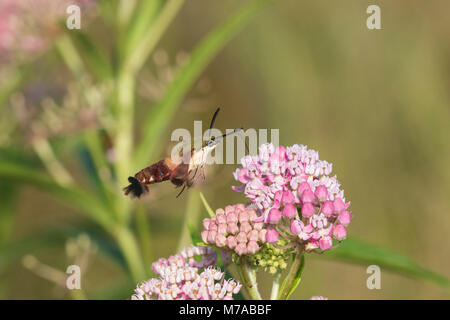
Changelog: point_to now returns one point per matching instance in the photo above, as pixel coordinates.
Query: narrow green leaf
(296, 280)
(77, 198)
(207, 206)
(359, 252)
(141, 45)
(8, 197)
(95, 58)
(191, 219)
(55, 238)
(142, 18)
(160, 115)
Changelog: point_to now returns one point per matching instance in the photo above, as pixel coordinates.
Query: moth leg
(181, 191)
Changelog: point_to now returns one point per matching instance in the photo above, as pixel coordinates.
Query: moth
(180, 173)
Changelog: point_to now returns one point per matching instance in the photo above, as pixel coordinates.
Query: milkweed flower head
(234, 229)
(296, 196)
(182, 277)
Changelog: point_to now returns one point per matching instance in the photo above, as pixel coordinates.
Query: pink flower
(289, 210)
(274, 216)
(242, 237)
(338, 205)
(252, 247)
(232, 228)
(290, 180)
(182, 277)
(241, 248)
(204, 235)
(253, 235)
(221, 218)
(321, 193)
(339, 232)
(271, 236)
(325, 243)
(296, 226)
(231, 242)
(245, 227)
(212, 236)
(307, 196)
(308, 210)
(288, 197)
(318, 298)
(327, 208)
(303, 187)
(344, 218)
(262, 235)
(221, 240)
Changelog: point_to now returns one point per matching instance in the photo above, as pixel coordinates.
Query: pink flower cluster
(296, 195)
(184, 278)
(234, 228)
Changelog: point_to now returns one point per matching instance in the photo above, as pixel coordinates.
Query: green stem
(137, 58)
(249, 280)
(293, 277)
(275, 286)
(143, 231)
(130, 250)
(54, 166)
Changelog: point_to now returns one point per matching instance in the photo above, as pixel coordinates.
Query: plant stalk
(249, 280)
(291, 279)
(275, 286)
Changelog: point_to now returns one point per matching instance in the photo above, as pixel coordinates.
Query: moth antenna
(184, 186)
(213, 120)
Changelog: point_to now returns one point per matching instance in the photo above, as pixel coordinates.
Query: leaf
(75, 197)
(160, 115)
(359, 252)
(57, 237)
(8, 197)
(191, 219)
(296, 280)
(206, 205)
(140, 44)
(142, 18)
(95, 58)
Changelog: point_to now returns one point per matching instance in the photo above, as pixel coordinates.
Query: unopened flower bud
(274, 216)
(289, 210)
(308, 210)
(344, 218)
(327, 208)
(271, 236)
(308, 196)
(339, 232)
(338, 204)
(241, 248)
(252, 247)
(321, 193)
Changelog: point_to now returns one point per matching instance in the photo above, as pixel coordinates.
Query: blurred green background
(375, 103)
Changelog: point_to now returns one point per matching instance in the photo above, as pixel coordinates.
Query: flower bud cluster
(270, 258)
(235, 229)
